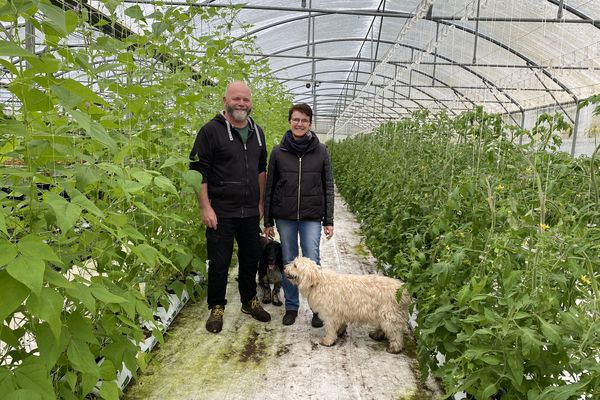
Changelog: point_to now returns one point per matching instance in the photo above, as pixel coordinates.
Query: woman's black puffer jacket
(299, 187)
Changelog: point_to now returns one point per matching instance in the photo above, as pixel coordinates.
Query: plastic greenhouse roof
(366, 61)
(361, 62)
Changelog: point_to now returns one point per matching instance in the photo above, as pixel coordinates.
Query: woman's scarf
(297, 145)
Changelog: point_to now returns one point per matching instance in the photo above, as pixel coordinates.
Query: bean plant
(98, 216)
(496, 235)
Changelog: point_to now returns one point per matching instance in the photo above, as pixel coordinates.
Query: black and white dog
(270, 270)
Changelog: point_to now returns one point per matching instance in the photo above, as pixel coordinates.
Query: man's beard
(238, 115)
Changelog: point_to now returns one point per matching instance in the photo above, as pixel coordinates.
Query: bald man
(230, 153)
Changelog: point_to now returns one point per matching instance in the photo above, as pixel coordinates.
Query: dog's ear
(309, 272)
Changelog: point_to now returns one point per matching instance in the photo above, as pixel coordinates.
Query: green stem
(593, 173)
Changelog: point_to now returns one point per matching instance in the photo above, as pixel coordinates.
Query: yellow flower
(499, 188)
(544, 227)
(585, 280)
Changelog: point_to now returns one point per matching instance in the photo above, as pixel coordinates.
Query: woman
(299, 198)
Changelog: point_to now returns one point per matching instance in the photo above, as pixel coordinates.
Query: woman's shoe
(290, 317)
(316, 321)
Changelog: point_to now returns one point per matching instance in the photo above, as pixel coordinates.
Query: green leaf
(55, 18)
(171, 161)
(102, 294)
(135, 12)
(194, 179)
(23, 394)
(82, 293)
(75, 89)
(49, 348)
(13, 294)
(29, 271)
(81, 328)
(88, 382)
(130, 232)
(564, 392)
(142, 176)
(46, 64)
(3, 221)
(7, 380)
(8, 251)
(531, 343)
(165, 184)
(146, 253)
(145, 209)
(48, 306)
(94, 129)
(7, 335)
(159, 27)
(108, 371)
(489, 391)
(109, 391)
(571, 322)
(56, 279)
(66, 212)
(10, 49)
(551, 332)
(82, 358)
(13, 127)
(515, 364)
(132, 186)
(32, 375)
(33, 246)
(78, 198)
(33, 99)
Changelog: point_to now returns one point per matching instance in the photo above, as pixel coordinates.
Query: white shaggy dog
(341, 299)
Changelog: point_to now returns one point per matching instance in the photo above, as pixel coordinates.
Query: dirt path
(252, 360)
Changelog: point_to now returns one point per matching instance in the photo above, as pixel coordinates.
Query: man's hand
(270, 232)
(328, 231)
(209, 218)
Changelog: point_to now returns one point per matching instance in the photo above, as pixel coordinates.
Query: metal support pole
(575, 129)
(476, 33)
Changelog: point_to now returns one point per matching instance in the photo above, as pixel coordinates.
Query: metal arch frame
(393, 101)
(363, 72)
(444, 20)
(532, 65)
(447, 59)
(395, 114)
(475, 33)
(461, 98)
(379, 116)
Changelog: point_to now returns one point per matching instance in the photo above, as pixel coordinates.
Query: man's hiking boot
(214, 323)
(290, 317)
(254, 308)
(316, 321)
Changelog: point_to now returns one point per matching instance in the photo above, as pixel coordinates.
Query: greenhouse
(463, 139)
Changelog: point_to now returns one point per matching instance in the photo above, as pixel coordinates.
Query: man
(231, 155)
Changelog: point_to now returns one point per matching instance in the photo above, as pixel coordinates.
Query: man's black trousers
(219, 246)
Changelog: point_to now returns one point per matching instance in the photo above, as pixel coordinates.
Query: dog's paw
(394, 350)
(327, 342)
(377, 335)
(266, 300)
(277, 303)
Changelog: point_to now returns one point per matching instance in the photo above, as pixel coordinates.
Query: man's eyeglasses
(298, 121)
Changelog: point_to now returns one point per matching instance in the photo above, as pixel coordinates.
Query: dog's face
(303, 272)
(273, 255)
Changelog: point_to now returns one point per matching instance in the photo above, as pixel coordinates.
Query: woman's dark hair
(303, 108)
